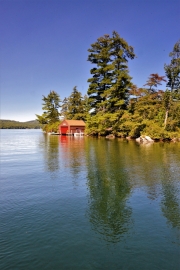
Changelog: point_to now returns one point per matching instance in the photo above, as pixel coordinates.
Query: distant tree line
(10, 124)
(113, 104)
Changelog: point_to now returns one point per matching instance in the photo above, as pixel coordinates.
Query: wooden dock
(77, 134)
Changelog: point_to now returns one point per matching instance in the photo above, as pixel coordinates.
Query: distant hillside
(11, 124)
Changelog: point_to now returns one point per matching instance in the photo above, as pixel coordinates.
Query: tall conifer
(173, 69)
(50, 107)
(110, 82)
(75, 105)
(64, 107)
(101, 73)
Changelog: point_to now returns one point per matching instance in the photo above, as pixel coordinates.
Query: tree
(173, 69)
(118, 93)
(110, 82)
(134, 90)
(86, 107)
(166, 103)
(173, 74)
(75, 105)
(64, 107)
(50, 106)
(154, 80)
(100, 81)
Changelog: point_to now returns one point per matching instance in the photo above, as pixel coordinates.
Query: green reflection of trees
(117, 167)
(108, 184)
(156, 167)
(144, 162)
(170, 203)
(50, 146)
(72, 154)
(53, 153)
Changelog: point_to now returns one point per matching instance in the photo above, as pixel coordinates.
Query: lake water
(87, 203)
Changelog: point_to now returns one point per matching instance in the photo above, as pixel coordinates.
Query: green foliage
(75, 106)
(148, 107)
(95, 125)
(53, 127)
(173, 69)
(146, 115)
(155, 131)
(64, 107)
(108, 89)
(50, 106)
(129, 125)
(100, 81)
(167, 99)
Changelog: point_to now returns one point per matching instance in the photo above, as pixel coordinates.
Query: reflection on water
(161, 175)
(112, 204)
(50, 148)
(52, 153)
(113, 170)
(171, 186)
(171, 204)
(109, 188)
(72, 152)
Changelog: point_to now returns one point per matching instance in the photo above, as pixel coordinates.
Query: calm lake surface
(86, 203)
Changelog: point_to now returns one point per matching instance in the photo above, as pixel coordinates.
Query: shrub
(155, 131)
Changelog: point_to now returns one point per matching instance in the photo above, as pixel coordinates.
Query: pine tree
(118, 93)
(75, 105)
(64, 107)
(50, 106)
(173, 69)
(100, 81)
(86, 107)
(110, 82)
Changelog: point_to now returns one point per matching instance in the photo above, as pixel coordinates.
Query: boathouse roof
(79, 123)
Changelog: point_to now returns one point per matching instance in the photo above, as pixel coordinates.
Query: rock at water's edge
(110, 136)
(145, 139)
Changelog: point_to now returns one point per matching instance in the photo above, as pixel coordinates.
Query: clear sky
(44, 45)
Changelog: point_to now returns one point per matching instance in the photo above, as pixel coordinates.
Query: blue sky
(44, 45)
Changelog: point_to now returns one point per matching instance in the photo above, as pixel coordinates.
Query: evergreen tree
(110, 82)
(118, 93)
(173, 69)
(75, 105)
(64, 108)
(86, 107)
(50, 106)
(100, 81)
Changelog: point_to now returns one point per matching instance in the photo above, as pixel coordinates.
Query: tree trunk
(165, 120)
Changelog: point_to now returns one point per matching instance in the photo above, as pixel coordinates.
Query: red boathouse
(69, 127)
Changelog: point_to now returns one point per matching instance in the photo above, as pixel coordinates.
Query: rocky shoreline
(145, 139)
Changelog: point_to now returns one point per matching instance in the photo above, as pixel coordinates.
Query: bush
(54, 127)
(155, 131)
